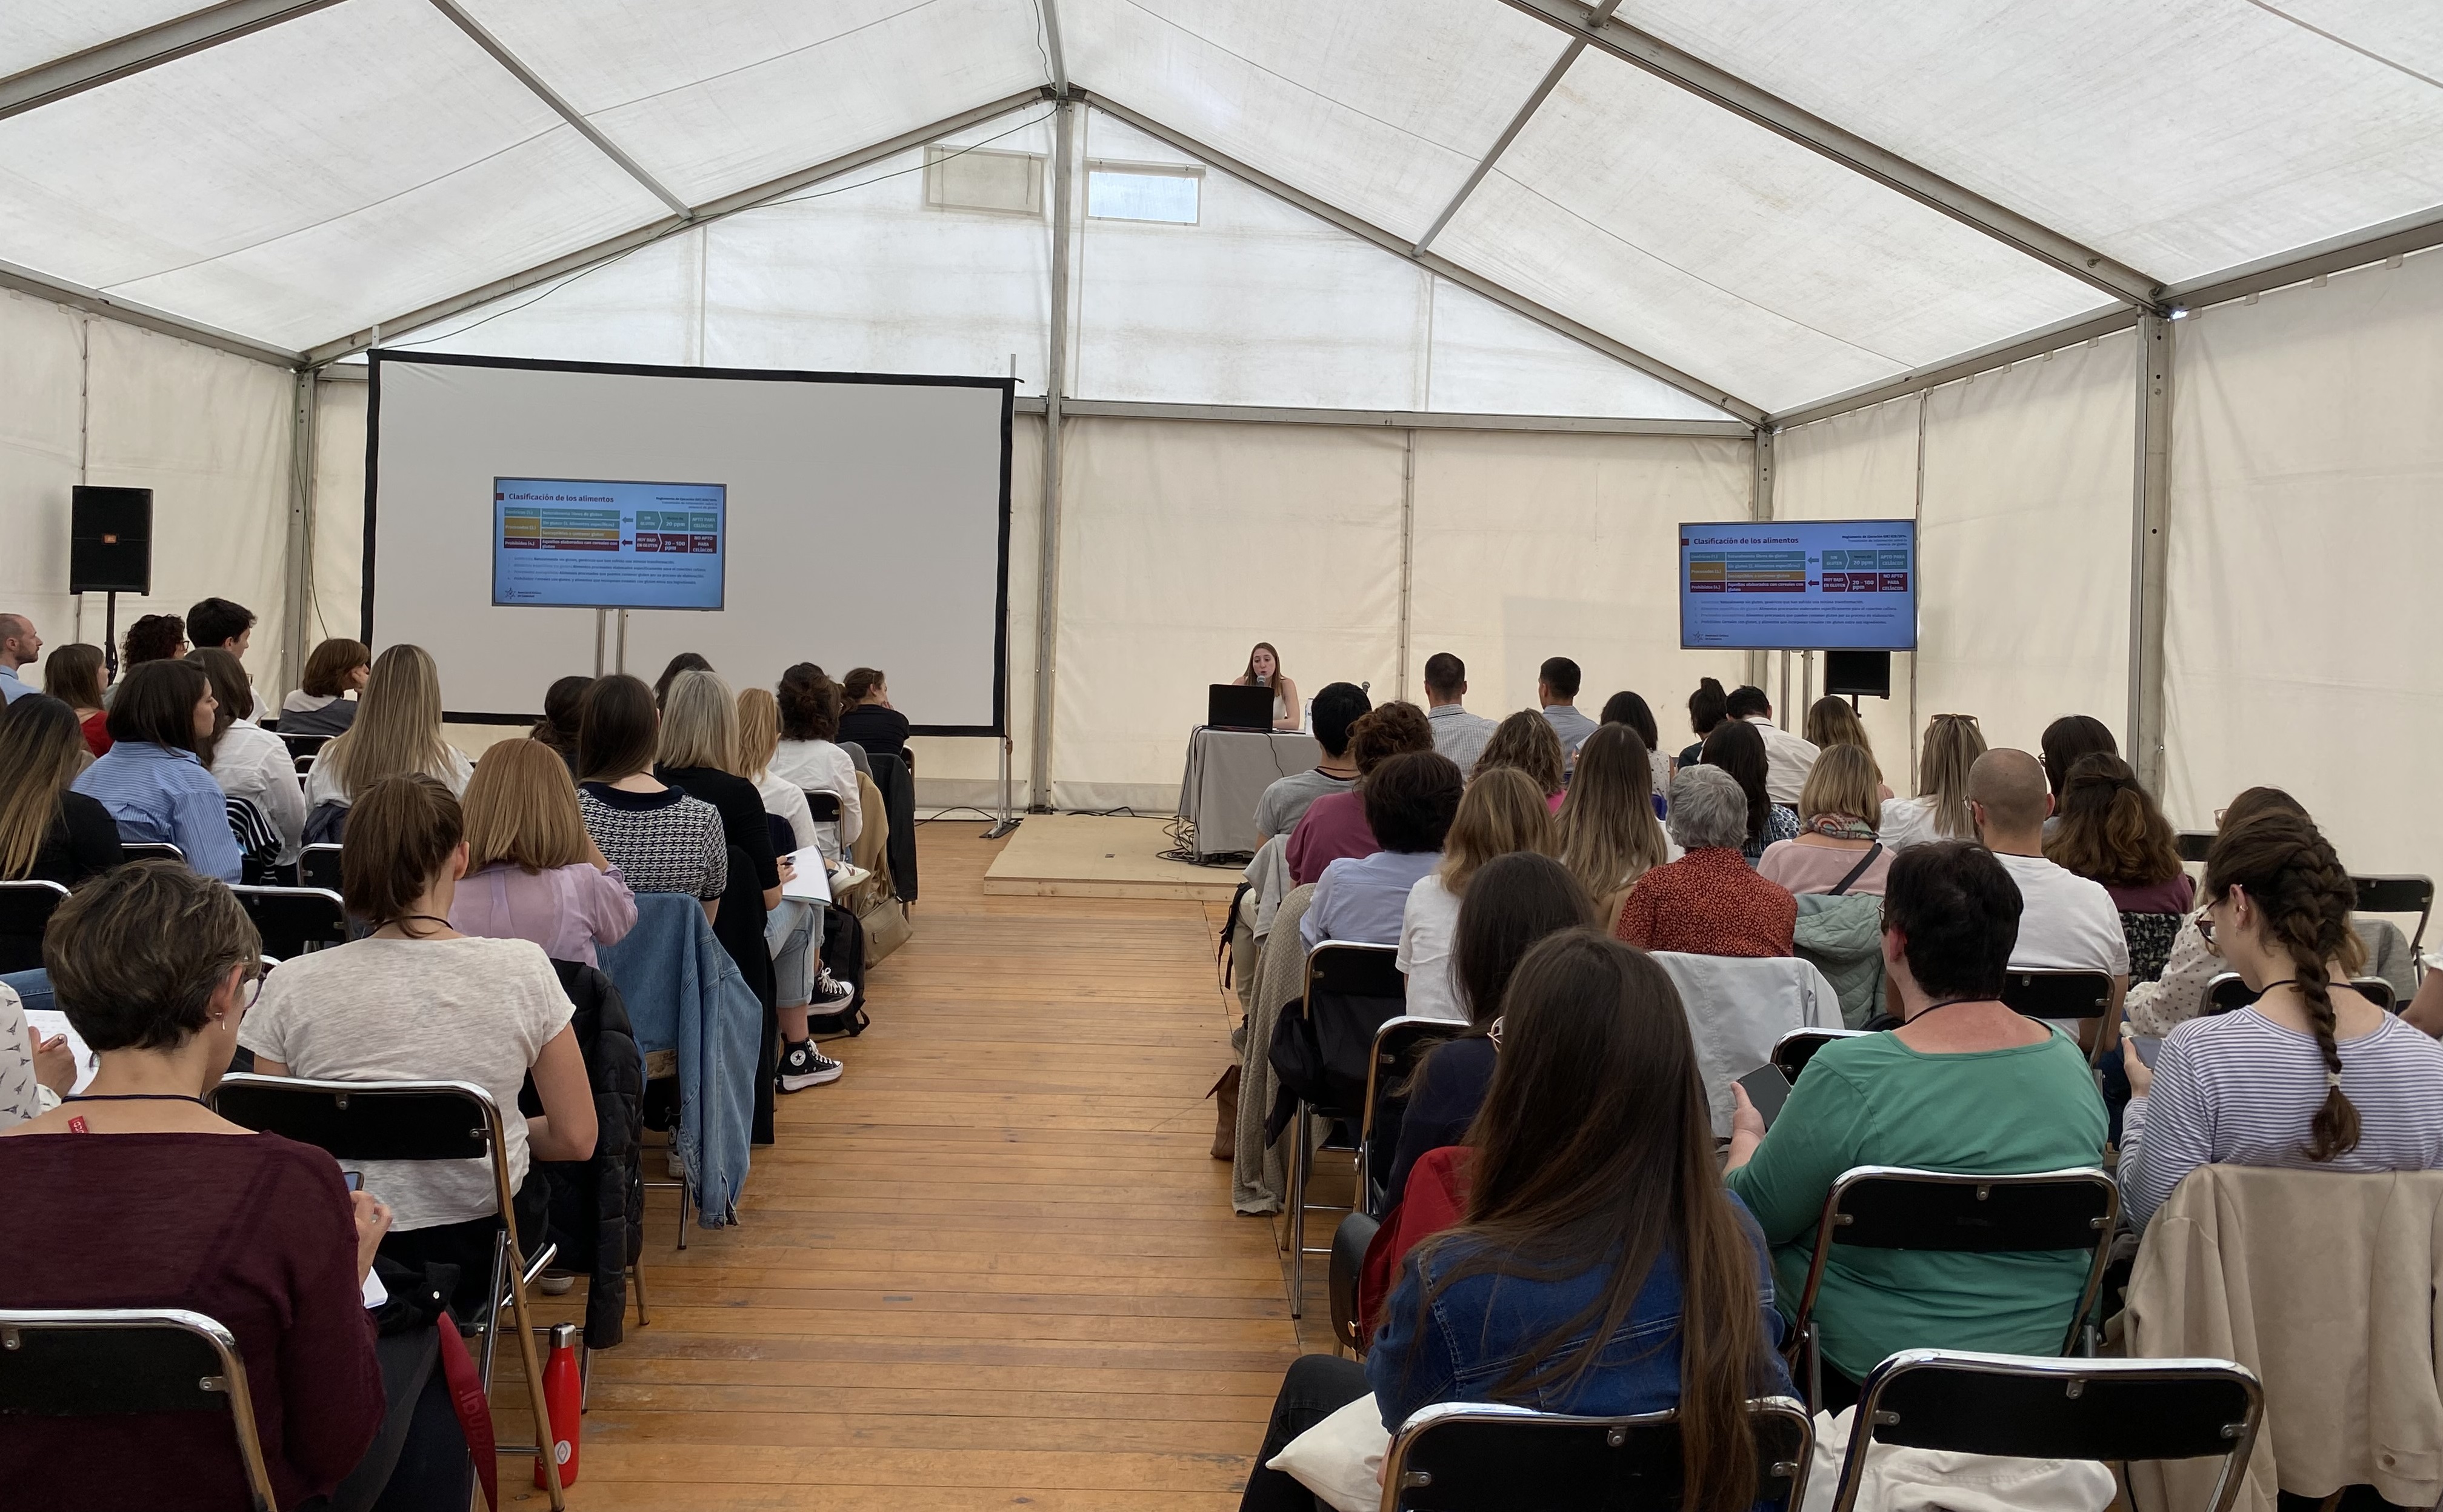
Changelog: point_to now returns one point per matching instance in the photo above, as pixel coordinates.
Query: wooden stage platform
(1084, 856)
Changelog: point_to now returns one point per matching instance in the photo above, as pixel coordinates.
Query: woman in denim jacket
(1602, 1268)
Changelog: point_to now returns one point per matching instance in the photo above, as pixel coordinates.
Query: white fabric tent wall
(208, 432)
(2300, 645)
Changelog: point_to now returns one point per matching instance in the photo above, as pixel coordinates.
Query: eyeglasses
(2205, 924)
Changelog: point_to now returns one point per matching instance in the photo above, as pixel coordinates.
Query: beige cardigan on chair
(2324, 1285)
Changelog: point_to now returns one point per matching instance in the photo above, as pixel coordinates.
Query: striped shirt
(2241, 1090)
(157, 794)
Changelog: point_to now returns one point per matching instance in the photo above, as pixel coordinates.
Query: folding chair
(293, 920)
(25, 911)
(825, 805)
(1397, 1044)
(2082, 995)
(1895, 1208)
(1472, 1457)
(359, 1121)
(304, 747)
(113, 1361)
(150, 851)
(1791, 1052)
(2399, 895)
(663, 1066)
(2227, 991)
(2015, 1407)
(2194, 844)
(319, 866)
(1351, 990)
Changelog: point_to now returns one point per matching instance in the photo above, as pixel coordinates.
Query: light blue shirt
(1361, 898)
(160, 794)
(14, 687)
(1573, 727)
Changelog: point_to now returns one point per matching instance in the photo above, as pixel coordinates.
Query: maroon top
(2171, 896)
(1708, 903)
(1334, 826)
(250, 1230)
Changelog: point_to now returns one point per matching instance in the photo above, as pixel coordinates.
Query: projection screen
(843, 519)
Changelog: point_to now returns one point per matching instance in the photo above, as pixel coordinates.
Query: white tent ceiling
(1783, 201)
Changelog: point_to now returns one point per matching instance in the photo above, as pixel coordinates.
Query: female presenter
(1264, 671)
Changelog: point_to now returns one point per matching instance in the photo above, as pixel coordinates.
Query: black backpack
(844, 952)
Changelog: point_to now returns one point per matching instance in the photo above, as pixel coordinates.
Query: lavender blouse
(568, 910)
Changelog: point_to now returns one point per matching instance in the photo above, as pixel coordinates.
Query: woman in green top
(1964, 1085)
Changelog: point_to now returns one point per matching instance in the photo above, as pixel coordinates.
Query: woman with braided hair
(2313, 1077)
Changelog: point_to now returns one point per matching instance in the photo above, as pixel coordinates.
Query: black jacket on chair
(598, 1206)
(898, 790)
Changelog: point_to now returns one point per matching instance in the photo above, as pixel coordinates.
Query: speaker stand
(110, 632)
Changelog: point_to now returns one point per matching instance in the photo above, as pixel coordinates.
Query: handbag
(885, 918)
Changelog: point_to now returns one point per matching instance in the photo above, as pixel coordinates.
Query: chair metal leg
(1301, 1134)
(490, 1323)
(683, 1211)
(534, 1384)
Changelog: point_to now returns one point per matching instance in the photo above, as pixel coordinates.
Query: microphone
(1365, 688)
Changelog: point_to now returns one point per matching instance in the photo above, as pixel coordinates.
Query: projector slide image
(585, 543)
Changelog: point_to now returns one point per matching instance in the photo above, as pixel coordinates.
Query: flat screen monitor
(1798, 585)
(588, 543)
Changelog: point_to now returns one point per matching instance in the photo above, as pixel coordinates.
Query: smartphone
(1768, 1089)
(356, 1179)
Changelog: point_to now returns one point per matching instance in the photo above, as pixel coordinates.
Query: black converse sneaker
(803, 1066)
(830, 989)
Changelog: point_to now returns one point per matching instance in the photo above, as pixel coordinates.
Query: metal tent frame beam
(49, 83)
(1388, 419)
(144, 317)
(1323, 210)
(1719, 86)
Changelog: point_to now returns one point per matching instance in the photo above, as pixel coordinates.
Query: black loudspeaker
(1858, 674)
(110, 541)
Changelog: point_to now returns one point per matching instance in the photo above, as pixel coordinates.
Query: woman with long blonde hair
(1609, 837)
(1939, 810)
(397, 731)
(532, 870)
(48, 833)
(759, 736)
(1831, 722)
(1499, 814)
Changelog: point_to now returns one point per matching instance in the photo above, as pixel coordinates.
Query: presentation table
(1228, 771)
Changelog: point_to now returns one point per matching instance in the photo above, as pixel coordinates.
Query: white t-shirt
(254, 764)
(788, 800)
(322, 784)
(1427, 927)
(1787, 760)
(2066, 922)
(417, 1010)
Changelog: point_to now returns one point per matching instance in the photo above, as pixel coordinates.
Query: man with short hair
(1557, 690)
(2066, 922)
(1457, 734)
(19, 647)
(1337, 706)
(219, 624)
(1786, 758)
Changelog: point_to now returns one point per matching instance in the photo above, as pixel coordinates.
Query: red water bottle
(563, 1398)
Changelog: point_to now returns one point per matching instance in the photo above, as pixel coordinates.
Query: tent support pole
(1760, 507)
(2149, 549)
(1055, 382)
(299, 590)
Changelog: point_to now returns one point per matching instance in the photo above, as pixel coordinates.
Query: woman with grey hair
(1708, 902)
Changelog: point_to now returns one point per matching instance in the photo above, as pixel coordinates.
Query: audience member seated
(35, 1073)
(2312, 1076)
(74, 675)
(1629, 708)
(661, 839)
(1839, 810)
(1966, 1085)
(134, 1194)
(1582, 1204)
(807, 756)
(1497, 814)
(1264, 671)
(1525, 741)
(221, 625)
(700, 754)
(48, 831)
(868, 720)
(532, 870)
(1556, 693)
(2066, 923)
(1708, 902)
(1338, 707)
(2065, 742)
(327, 704)
(1410, 801)
(153, 782)
(1525, 896)
(1831, 722)
(2112, 833)
(20, 646)
(1334, 824)
(1787, 756)
(1707, 707)
(1609, 837)
(397, 731)
(154, 637)
(1457, 734)
(1734, 747)
(556, 731)
(248, 761)
(1939, 810)
(417, 1001)
(759, 740)
(2154, 1009)
(684, 661)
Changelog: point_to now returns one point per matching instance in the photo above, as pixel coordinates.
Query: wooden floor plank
(994, 1265)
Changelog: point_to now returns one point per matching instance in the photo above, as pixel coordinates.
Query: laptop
(1231, 705)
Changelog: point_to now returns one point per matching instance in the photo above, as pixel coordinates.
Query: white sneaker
(847, 877)
(676, 1167)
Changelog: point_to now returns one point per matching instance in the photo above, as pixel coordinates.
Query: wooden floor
(995, 1265)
